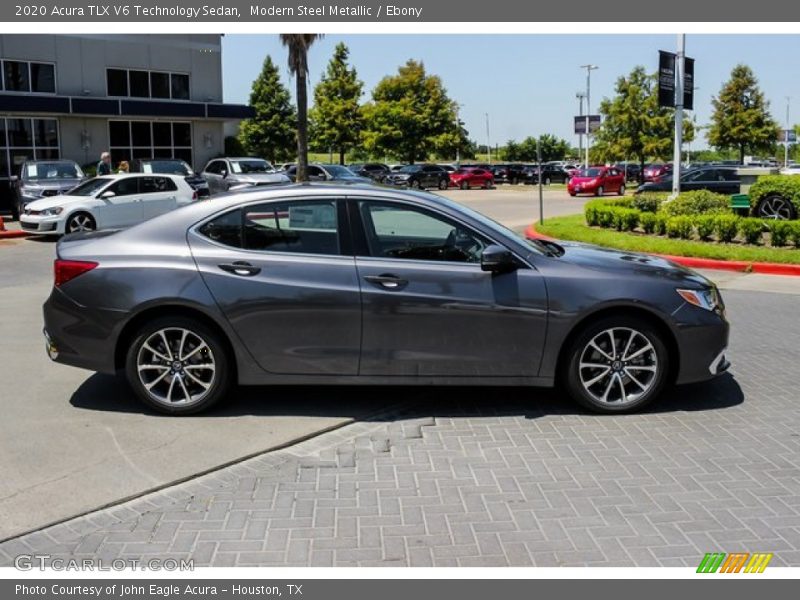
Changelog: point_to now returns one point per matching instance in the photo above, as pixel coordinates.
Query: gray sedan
(322, 284)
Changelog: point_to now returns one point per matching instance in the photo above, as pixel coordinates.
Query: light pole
(488, 142)
(786, 135)
(458, 133)
(589, 69)
(676, 153)
(580, 96)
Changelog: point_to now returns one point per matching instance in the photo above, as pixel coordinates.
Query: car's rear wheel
(547, 181)
(80, 221)
(177, 366)
(465, 185)
(600, 191)
(487, 184)
(775, 207)
(443, 183)
(617, 364)
(621, 191)
(514, 181)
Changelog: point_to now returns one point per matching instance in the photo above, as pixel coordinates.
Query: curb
(13, 233)
(739, 266)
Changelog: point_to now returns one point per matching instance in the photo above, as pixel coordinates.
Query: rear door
(159, 195)
(284, 275)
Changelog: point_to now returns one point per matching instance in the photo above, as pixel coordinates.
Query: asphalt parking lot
(443, 477)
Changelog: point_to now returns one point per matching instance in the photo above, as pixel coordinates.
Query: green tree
(336, 116)
(552, 147)
(741, 118)
(511, 151)
(298, 45)
(634, 125)
(271, 132)
(411, 117)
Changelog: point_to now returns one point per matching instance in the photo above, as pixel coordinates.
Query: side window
(305, 227)
(126, 187)
(213, 167)
(225, 229)
(152, 185)
(399, 231)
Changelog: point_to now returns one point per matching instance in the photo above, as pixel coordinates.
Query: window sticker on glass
(236, 167)
(314, 216)
(147, 168)
(32, 171)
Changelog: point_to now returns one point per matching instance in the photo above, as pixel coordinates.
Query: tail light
(67, 270)
(194, 195)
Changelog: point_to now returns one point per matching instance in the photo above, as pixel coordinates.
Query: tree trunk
(302, 128)
(741, 154)
(341, 156)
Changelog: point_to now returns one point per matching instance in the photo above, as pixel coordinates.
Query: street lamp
(786, 135)
(580, 96)
(488, 143)
(589, 69)
(458, 133)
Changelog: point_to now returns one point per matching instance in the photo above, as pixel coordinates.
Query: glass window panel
(225, 229)
(120, 154)
(182, 134)
(184, 154)
(43, 78)
(302, 227)
(46, 132)
(180, 86)
(162, 134)
(140, 133)
(119, 133)
(117, 81)
(16, 76)
(139, 84)
(159, 85)
(142, 153)
(162, 153)
(3, 143)
(19, 132)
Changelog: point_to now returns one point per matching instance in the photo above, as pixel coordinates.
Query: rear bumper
(73, 338)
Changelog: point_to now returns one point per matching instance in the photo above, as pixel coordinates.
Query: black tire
(464, 185)
(444, 184)
(621, 191)
(547, 181)
(488, 185)
(514, 181)
(73, 223)
(216, 353)
(414, 185)
(775, 206)
(600, 191)
(570, 374)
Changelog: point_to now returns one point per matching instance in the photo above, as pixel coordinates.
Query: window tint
(398, 231)
(225, 229)
(303, 227)
(126, 187)
(151, 185)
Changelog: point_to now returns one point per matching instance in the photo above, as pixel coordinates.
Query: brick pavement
(471, 477)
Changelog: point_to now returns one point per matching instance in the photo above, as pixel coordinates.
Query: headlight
(707, 299)
(31, 191)
(51, 212)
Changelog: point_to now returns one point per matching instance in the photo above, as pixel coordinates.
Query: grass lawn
(574, 228)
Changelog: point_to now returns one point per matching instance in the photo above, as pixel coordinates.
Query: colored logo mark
(737, 562)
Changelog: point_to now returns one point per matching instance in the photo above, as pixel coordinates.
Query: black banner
(666, 78)
(688, 83)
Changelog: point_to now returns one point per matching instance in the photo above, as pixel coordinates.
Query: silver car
(345, 284)
(230, 174)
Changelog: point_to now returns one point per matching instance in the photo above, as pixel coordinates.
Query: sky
(528, 83)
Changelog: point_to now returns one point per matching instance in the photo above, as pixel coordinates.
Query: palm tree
(298, 45)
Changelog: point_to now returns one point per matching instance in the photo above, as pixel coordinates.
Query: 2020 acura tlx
(323, 284)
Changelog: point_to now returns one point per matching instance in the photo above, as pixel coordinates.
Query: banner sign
(580, 124)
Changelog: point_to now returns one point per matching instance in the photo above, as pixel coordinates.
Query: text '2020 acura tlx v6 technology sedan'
(321, 284)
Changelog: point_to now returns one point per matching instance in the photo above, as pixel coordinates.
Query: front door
(278, 272)
(429, 309)
(122, 207)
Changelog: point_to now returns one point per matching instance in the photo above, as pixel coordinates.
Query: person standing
(104, 166)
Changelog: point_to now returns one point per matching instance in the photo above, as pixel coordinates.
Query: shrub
(649, 201)
(605, 216)
(794, 233)
(780, 232)
(626, 219)
(661, 224)
(679, 226)
(705, 226)
(647, 220)
(787, 186)
(751, 230)
(726, 227)
(590, 213)
(698, 202)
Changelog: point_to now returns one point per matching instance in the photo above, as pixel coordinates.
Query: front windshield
(171, 167)
(339, 171)
(590, 173)
(251, 165)
(410, 169)
(91, 187)
(40, 171)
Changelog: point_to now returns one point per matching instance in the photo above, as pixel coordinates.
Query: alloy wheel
(618, 366)
(80, 222)
(176, 367)
(775, 207)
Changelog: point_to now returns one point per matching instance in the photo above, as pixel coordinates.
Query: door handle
(240, 267)
(387, 281)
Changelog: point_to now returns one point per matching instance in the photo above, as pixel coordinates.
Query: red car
(597, 181)
(656, 172)
(466, 178)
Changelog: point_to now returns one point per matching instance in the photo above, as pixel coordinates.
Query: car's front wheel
(617, 364)
(600, 191)
(443, 184)
(177, 366)
(80, 221)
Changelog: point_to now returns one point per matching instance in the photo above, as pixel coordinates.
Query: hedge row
(711, 226)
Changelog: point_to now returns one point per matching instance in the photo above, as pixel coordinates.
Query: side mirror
(14, 178)
(224, 173)
(497, 259)
(107, 195)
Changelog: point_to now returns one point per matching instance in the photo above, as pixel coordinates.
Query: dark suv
(42, 178)
(420, 177)
(375, 171)
(508, 173)
(172, 166)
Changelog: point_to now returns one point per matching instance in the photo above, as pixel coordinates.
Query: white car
(108, 202)
(791, 170)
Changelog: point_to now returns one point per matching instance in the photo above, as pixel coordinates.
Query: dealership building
(138, 96)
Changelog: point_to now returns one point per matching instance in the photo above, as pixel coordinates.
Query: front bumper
(39, 224)
(702, 346)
